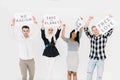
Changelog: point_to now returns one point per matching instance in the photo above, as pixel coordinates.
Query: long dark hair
(77, 35)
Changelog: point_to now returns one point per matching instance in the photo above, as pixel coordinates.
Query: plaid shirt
(97, 49)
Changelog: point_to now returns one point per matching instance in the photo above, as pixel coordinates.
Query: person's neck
(50, 34)
(97, 35)
(26, 37)
(71, 39)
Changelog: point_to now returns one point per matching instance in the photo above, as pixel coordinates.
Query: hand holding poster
(106, 24)
(51, 21)
(79, 23)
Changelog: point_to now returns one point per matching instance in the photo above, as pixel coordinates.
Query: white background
(68, 11)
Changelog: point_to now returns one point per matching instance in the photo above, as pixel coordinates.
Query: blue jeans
(91, 66)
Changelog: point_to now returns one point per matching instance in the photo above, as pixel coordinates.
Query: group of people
(97, 50)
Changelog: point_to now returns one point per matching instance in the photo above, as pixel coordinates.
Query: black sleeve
(43, 36)
(57, 33)
(108, 33)
(87, 32)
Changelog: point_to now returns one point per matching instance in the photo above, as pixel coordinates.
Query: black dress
(50, 48)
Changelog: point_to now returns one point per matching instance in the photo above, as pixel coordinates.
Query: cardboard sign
(23, 18)
(105, 25)
(51, 21)
(79, 23)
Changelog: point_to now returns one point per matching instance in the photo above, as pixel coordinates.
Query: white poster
(23, 18)
(106, 24)
(51, 21)
(79, 23)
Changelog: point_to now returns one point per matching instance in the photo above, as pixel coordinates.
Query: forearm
(57, 33)
(43, 33)
(80, 33)
(88, 21)
(63, 33)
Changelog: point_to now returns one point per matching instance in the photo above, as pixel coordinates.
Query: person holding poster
(73, 43)
(50, 52)
(97, 50)
(26, 55)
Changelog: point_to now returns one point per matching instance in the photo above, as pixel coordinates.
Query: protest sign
(79, 23)
(105, 25)
(51, 21)
(23, 18)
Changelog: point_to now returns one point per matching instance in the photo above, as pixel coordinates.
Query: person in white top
(25, 45)
(26, 54)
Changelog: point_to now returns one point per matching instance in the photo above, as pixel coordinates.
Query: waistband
(27, 60)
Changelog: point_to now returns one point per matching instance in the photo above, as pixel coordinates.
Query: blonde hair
(93, 27)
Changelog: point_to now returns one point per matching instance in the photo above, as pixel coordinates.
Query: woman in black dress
(50, 51)
(50, 41)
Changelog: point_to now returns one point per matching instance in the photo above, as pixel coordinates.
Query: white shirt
(24, 44)
(25, 49)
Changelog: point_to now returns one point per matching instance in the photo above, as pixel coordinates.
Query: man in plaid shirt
(97, 50)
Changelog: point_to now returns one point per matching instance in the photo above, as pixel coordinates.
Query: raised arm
(86, 29)
(34, 19)
(63, 31)
(43, 31)
(88, 21)
(15, 34)
(63, 34)
(58, 31)
(80, 32)
(13, 22)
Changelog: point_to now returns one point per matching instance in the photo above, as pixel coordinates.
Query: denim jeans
(91, 66)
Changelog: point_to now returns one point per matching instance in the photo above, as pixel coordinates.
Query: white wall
(68, 10)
